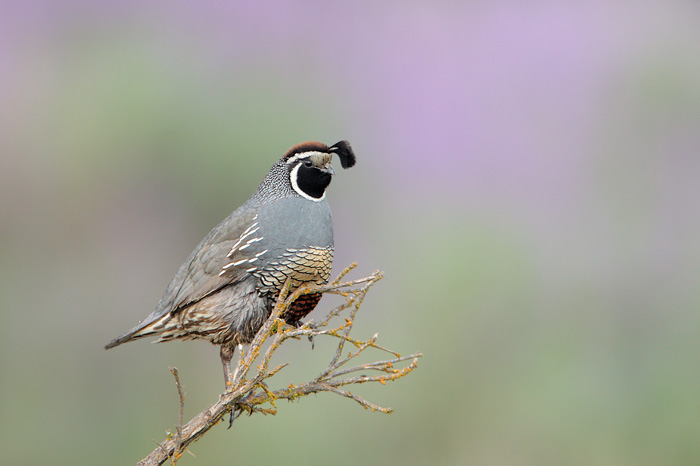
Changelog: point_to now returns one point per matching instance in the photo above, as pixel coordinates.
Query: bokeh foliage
(527, 178)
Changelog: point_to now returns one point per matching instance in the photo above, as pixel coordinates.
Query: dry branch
(252, 393)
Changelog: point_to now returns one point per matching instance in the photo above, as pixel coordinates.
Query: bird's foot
(312, 326)
(237, 410)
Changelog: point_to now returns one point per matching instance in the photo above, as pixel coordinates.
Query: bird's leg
(235, 412)
(226, 354)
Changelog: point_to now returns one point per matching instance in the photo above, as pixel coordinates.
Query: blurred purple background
(528, 177)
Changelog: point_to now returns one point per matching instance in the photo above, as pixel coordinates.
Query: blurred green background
(528, 177)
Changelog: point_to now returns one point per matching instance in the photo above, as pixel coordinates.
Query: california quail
(226, 288)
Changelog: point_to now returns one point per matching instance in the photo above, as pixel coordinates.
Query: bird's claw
(237, 410)
(312, 326)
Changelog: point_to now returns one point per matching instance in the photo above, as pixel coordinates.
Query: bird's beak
(329, 169)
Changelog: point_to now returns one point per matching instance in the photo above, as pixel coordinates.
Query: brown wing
(220, 259)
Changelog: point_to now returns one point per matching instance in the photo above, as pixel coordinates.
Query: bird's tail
(146, 328)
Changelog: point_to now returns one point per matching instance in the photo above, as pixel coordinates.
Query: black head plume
(344, 152)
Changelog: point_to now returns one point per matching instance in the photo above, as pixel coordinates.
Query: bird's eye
(308, 163)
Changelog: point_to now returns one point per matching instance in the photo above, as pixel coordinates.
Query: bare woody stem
(252, 393)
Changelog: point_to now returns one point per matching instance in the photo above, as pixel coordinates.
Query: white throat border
(293, 179)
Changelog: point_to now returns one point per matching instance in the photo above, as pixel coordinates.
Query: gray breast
(296, 223)
(298, 236)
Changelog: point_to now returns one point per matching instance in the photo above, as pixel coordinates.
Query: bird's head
(309, 167)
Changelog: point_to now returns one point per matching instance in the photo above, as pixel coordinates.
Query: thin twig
(178, 428)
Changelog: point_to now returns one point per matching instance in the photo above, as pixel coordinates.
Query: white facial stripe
(295, 185)
(303, 155)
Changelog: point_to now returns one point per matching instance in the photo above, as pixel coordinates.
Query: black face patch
(311, 180)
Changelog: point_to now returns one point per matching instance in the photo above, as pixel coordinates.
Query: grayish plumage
(225, 289)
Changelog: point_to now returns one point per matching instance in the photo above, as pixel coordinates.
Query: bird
(225, 290)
